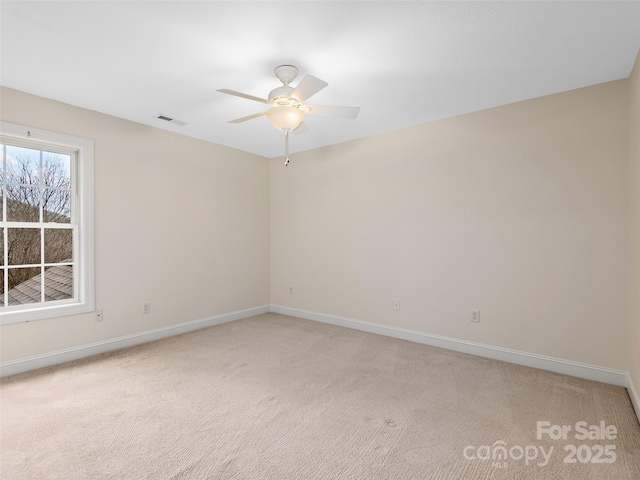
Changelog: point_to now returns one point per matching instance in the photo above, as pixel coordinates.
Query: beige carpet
(276, 397)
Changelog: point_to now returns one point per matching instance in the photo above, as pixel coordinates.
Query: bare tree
(31, 191)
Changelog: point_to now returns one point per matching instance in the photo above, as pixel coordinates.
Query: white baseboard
(75, 353)
(635, 398)
(567, 367)
(557, 365)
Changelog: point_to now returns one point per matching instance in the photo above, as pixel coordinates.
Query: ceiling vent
(172, 120)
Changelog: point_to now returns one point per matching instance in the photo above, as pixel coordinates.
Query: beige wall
(179, 222)
(519, 211)
(634, 225)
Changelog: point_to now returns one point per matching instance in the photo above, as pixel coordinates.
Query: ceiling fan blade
(307, 87)
(302, 128)
(242, 95)
(248, 117)
(329, 111)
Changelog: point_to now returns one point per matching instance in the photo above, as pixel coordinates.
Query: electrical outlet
(146, 307)
(396, 304)
(475, 316)
(99, 316)
(290, 290)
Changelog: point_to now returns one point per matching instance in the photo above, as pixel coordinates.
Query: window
(46, 228)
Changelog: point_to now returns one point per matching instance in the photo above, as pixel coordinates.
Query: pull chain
(286, 147)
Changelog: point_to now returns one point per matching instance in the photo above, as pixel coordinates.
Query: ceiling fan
(288, 112)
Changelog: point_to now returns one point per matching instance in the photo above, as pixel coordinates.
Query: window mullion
(42, 295)
(41, 212)
(40, 187)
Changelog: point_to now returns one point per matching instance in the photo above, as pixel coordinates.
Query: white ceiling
(403, 63)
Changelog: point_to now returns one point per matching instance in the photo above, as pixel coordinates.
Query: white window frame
(82, 208)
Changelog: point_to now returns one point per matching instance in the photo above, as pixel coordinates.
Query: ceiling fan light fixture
(286, 117)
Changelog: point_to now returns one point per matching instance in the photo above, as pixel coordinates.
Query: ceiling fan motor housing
(279, 97)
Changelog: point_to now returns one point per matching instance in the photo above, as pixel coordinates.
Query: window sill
(44, 312)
